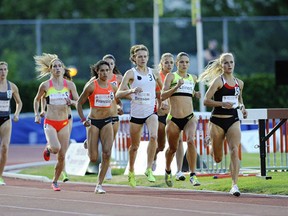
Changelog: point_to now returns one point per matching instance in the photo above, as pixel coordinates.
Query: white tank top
(143, 104)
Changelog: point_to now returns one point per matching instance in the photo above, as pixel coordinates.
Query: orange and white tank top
(101, 97)
(57, 97)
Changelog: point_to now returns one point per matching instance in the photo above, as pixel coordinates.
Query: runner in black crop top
(224, 95)
(226, 90)
(8, 91)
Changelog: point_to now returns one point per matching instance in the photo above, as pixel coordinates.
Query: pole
(200, 58)
(262, 142)
(38, 37)
(156, 44)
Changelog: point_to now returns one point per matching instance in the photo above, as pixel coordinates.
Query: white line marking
(48, 210)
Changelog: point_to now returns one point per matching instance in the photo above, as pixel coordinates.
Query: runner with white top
(140, 83)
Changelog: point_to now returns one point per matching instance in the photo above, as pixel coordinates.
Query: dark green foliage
(255, 44)
(261, 91)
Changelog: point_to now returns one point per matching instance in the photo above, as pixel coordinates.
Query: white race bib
(4, 105)
(142, 98)
(103, 100)
(187, 87)
(231, 99)
(58, 98)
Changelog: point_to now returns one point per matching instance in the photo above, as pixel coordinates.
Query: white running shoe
(154, 165)
(235, 191)
(99, 190)
(180, 176)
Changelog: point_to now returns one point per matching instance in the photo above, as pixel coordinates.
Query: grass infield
(247, 183)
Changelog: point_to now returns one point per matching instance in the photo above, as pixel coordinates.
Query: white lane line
(48, 210)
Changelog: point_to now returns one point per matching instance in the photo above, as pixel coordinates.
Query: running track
(27, 197)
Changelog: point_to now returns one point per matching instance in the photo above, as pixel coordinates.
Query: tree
(69, 9)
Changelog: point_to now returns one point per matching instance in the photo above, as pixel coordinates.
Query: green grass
(248, 184)
(278, 185)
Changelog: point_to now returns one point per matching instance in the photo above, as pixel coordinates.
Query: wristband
(83, 119)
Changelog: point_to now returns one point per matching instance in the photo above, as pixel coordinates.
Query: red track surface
(24, 197)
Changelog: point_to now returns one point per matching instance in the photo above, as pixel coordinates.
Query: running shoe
(149, 175)
(55, 186)
(154, 165)
(46, 154)
(65, 176)
(85, 144)
(99, 189)
(2, 181)
(235, 191)
(180, 176)
(131, 179)
(194, 181)
(168, 179)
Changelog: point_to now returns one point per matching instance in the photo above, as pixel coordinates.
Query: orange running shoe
(46, 154)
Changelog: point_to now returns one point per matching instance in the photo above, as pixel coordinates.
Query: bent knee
(172, 149)
(54, 150)
(93, 158)
(234, 150)
(160, 148)
(153, 138)
(217, 159)
(106, 155)
(134, 148)
(191, 143)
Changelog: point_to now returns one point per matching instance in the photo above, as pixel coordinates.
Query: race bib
(103, 100)
(58, 98)
(142, 98)
(4, 105)
(187, 87)
(231, 99)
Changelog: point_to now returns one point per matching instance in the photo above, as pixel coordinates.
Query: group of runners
(160, 98)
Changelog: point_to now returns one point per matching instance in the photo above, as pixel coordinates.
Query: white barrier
(250, 140)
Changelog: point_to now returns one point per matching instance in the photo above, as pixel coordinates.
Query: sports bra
(229, 94)
(186, 89)
(57, 97)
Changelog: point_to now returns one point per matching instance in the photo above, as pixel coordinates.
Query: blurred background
(82, 32)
